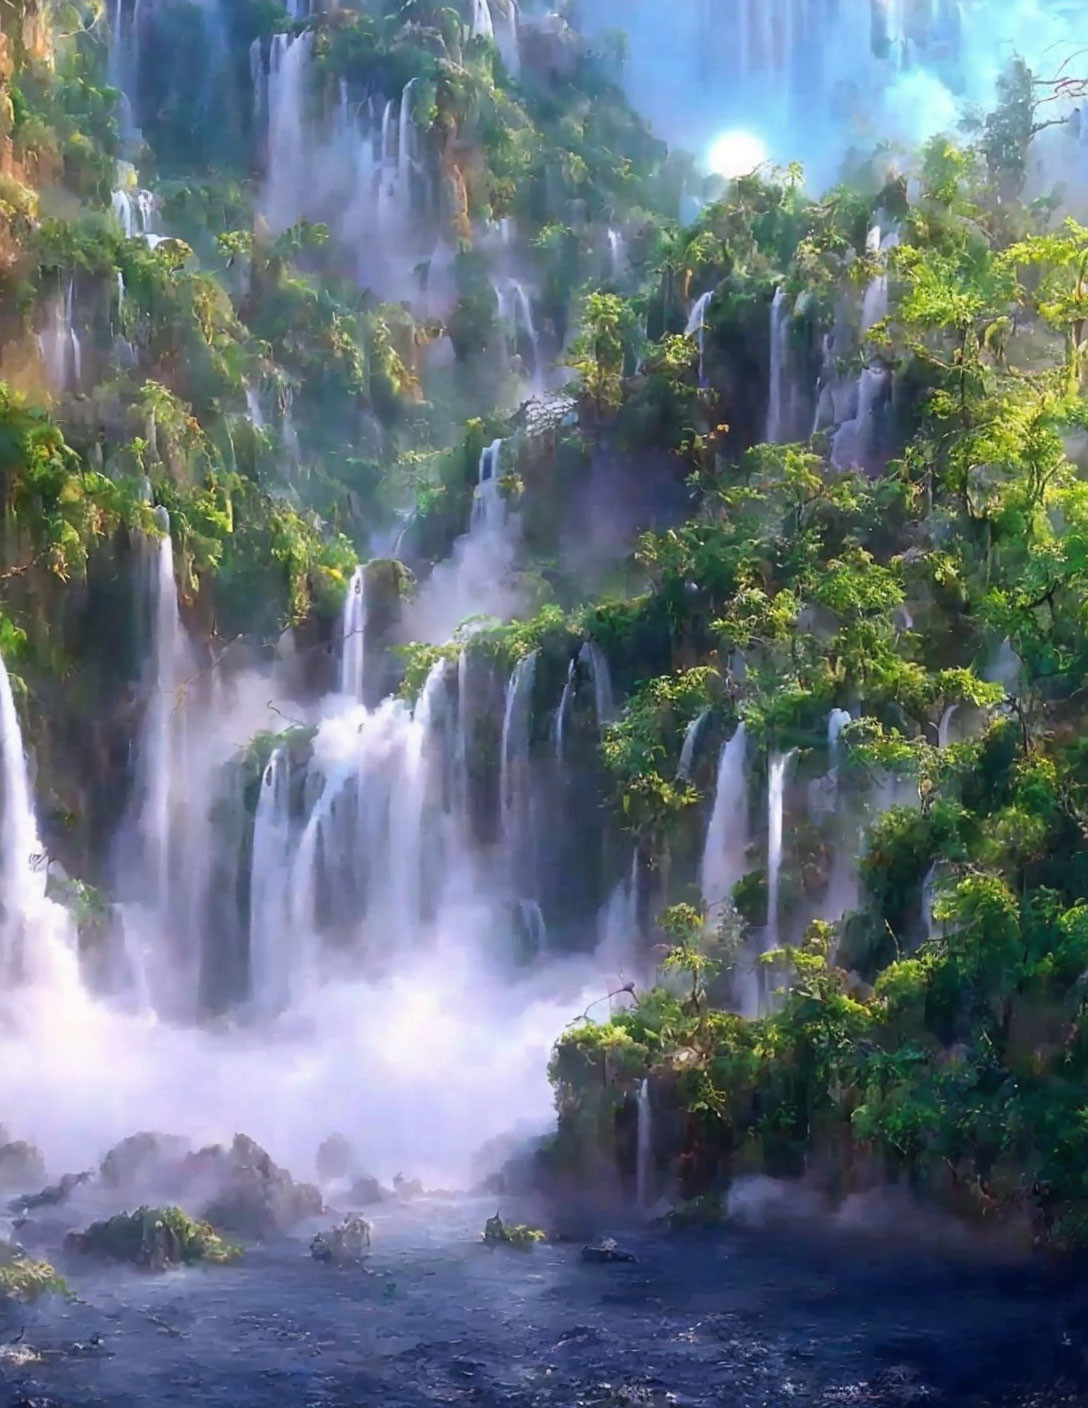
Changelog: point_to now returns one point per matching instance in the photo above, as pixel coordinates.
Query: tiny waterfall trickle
(726, 845)
(353, 637)
(691, 740)
(644, 1146)
(944, 727)
(696, 327)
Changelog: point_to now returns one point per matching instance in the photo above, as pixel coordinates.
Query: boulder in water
(144, 1161)
(153, 1239)
(346, 1245)
(335, 1159)
(21, 1165)
(508, 1234)
(366, 1191)
(604, 1252)
(253, 1197)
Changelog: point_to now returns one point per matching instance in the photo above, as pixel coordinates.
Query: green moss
(497, 1233)
(154, 1239)
(24, 1280)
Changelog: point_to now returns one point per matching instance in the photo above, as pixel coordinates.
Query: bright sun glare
(735, 154)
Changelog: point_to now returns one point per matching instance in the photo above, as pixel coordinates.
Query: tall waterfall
(288, 80)
(272, 941)
(353, 637)
(725, 849)
(781, 406)
(58, 342)
(514, 782)
(35, 938)
(776, 786)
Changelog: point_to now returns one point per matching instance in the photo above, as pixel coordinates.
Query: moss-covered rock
(153, 1239)
(498, 1233)
(22, 1279)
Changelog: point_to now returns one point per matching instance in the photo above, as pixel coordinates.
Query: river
(736, 1319)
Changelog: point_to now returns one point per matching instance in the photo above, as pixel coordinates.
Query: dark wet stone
(366, 1191)
(604, 1252)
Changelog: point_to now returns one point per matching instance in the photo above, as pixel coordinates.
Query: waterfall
(270, 932)
(776, 786)
(691, 739)
(489, 503)
(696, 327)
(617, 254)
(58, 342)
(644, 1146)
(781, 409)
(564, 707)
(254, 413)
(854, 445)
(505, 25)
(725, 849)
(482, 25)
(944, 727)
(837, 720)
(353, 637)
(289, 170)
(35, 934)
(514, 753)
(593, 658)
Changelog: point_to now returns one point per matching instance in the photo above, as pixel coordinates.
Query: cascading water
(781, 417)
(725, 850)
(691, 740)
(58, 342)
(288, 148)
(644, 1146)
(488, 504)
(271, 940)
(944, 728)
(353, 637)
(593, 658)
(776, 787)
(696, 327)
(514, 783)
(36, 943)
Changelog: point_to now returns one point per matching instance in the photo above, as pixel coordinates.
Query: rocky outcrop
(144, 1161)
(152, 1239)
(21, 1165)
(249, 1194)
(346, 1245)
